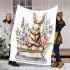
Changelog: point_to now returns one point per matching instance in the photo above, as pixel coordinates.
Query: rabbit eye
(38, 28)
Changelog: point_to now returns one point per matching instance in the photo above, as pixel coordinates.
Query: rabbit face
(36, 27)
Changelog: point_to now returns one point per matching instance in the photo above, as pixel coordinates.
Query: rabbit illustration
(34, 38)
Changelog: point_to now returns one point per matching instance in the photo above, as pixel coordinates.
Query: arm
(4, 34)
(61, 26)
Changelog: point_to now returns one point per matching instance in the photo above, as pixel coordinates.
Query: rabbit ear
(34, 18)
(42, 19)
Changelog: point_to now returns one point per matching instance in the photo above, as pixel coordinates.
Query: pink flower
(44, 41)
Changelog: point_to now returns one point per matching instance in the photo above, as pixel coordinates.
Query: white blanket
(33, 33)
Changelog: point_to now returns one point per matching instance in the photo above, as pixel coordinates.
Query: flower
(44, 41)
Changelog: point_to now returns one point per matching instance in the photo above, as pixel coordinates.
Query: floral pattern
(45, 32)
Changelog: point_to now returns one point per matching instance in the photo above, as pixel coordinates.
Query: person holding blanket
(6, 30)
(58, 40)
